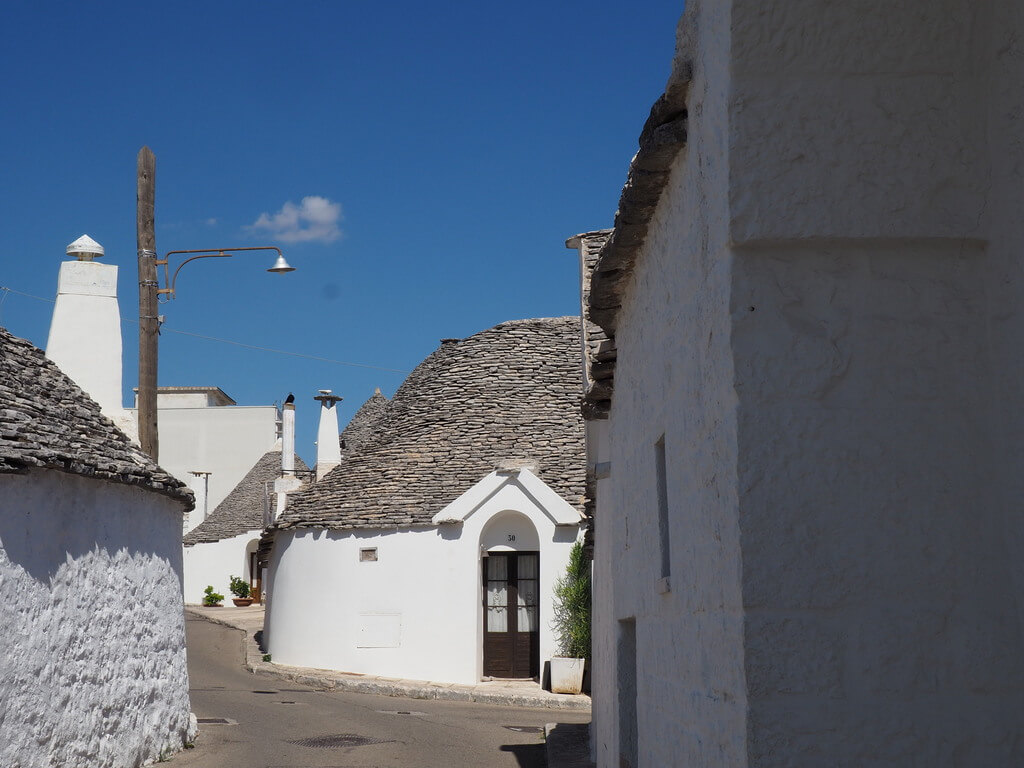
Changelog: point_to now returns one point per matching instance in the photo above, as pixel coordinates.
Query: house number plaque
(511, 537)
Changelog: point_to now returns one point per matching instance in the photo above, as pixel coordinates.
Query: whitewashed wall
(93, 668)
(824, 323)
(214, 563)
(420, 603)
(85, 332)
(224, 440)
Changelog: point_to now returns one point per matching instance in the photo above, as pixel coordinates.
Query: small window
(663, 521)
(368, 555)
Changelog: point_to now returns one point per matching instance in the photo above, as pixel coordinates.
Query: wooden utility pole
(149, 322)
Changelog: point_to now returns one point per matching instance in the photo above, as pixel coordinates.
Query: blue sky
(420, 165)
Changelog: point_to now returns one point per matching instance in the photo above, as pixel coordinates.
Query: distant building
(210, 442)
(808, 528)
(206, 440)
(455, 506)
(93, 666)
(225, 544)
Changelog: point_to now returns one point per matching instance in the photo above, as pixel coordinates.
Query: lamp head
(281, 266)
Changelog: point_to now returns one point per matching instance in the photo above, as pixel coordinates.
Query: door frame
(534, 665)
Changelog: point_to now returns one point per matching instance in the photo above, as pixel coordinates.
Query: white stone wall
(93, 669)
(85, 332)
(214, 563)
(824, 322)
(225, 441)
(674, 377)
(420, 603)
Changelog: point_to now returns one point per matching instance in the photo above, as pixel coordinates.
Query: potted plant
(240, 589)
(572, 623)
(211, 599)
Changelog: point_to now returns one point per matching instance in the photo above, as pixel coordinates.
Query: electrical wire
(6, 290)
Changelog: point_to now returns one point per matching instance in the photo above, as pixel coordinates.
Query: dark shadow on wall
(41, 530)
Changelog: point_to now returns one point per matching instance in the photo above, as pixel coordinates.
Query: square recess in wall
(368, 555)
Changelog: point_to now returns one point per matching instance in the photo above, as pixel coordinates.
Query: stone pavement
(507, 693)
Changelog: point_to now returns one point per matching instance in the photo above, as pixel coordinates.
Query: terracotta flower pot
(241, 602)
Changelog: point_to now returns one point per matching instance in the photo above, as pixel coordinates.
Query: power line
(277, 351)
(7, 290)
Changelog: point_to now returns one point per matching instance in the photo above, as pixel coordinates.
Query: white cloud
(315, 219)
(211, 222)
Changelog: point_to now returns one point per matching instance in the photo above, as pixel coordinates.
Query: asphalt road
(299, 727)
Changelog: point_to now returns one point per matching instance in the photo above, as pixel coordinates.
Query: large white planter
(566, 674)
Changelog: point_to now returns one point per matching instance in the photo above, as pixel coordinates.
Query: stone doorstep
(516, 694)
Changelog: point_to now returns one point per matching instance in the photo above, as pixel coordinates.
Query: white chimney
(288, 481)
(85, 332)
(288, 439)
(328, 447)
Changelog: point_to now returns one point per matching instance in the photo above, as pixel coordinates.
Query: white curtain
(497, 594)
(526, 618)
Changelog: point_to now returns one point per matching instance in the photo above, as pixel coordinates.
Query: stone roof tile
(508, 395)
(47, 421)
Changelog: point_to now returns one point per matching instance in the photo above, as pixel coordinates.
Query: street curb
(412, 689)
(568, 745)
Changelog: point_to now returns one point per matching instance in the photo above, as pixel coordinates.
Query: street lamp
(280, 266)
(150, 293)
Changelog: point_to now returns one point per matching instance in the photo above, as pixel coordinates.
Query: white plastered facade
(213, 563)
(93, 666)
(415, 612)
(824, 324)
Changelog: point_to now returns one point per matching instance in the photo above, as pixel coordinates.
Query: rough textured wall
(854, 119)
(1005, 231)
(93, 668)
(881, 628)
(882, 623)
(674, 377)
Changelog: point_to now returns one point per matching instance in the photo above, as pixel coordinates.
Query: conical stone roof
(47, 421)
(366, 421)
(508, 396)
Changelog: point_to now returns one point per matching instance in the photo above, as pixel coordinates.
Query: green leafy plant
(266, 657)
(210, 597)
(573, 606)
(239, 587)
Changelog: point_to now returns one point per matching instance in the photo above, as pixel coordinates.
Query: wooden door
(255, 583)
(511, 614)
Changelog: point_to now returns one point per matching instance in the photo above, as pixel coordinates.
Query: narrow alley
(251, 721)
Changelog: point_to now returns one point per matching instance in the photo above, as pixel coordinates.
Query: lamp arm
(222, 253)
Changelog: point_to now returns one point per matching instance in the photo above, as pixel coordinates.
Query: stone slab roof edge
(47, 421)
(663, 135)
(452, 421)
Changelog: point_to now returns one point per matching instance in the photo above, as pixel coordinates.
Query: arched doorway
(511, 597)
(253, 571)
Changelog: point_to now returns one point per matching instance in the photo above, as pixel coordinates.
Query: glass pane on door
(497, 594)
(528, 591)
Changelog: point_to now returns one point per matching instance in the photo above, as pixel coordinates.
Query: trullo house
(431, 551)
(92, 670)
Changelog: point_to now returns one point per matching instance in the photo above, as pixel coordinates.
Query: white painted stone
(214, 563)
(93, 668)
(225, 441)
(824, 324)
(423, 579)
(85, 332)
(288, 438)
(328, 446)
